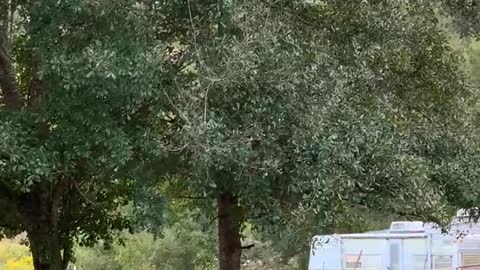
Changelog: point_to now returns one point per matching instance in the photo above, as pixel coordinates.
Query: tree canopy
(322, 111)
(78, 79)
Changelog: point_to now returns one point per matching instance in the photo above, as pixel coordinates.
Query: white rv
(405, 246)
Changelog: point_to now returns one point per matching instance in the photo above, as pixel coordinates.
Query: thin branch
(180, 112)
(84, 196)
(192, 197)
(290, 11)
(215, 218)
(248, 246)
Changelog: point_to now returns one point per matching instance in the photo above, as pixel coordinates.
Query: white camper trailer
(405, 246)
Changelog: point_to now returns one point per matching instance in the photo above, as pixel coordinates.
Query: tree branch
(8, 84)
(35, 90)
(87, 200)
(215, 218)
(192, 197)
(248, 246)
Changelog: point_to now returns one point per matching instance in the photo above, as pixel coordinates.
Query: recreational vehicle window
(353, 261)
(395, 253)
(442, 262)
(470, 259)
(362, 262)
(420, 262)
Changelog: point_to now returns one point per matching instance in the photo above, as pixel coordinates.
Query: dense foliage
(78, 79)
(321, 113)
(182, 246)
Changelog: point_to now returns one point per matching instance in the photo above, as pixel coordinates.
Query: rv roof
(471, 230)
(406, 226)
(383, 235)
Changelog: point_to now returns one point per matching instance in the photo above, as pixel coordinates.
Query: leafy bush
(14, 256)
(472, 55)
(182, 246)
(24, 263)
(96, 258)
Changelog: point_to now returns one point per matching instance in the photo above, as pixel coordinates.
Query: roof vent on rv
(468, 213)
(407, 227)
(461, 213)
(464, 216)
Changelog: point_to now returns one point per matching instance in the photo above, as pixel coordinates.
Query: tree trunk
(67, 256)
(230, 246)
(46, 248)
(8, 85)
(41, 213)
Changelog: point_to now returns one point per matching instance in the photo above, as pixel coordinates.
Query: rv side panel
(368, 253)
(325, 253)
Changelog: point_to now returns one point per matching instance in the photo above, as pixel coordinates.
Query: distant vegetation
(14, 256)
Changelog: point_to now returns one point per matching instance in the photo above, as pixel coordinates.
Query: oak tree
(78, 80)
(315, 111)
